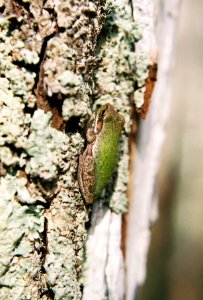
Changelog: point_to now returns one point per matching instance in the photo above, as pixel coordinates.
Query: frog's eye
(104, 113)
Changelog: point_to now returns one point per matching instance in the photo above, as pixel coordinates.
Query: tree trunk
(60, 60)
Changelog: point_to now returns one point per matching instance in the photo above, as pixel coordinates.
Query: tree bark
(60, 60)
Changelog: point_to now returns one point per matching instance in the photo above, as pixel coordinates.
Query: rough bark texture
(59, 61)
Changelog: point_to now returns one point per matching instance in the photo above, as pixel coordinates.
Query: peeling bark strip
(60, 60)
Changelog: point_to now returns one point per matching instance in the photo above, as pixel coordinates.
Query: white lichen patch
(17, 81)
(58, 76)
(13, 121)
(72, 108)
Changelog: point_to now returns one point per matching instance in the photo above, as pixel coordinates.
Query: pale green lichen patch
(21, 219)
(20, 226)
(61, 262)
(66, 230)
(40, 146)
(60, 266)
(48, 149)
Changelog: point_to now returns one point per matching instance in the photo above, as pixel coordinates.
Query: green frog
(100, 157)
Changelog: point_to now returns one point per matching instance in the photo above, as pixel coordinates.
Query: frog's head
(106, 113)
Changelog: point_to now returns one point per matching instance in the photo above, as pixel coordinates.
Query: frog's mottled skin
(99, 159)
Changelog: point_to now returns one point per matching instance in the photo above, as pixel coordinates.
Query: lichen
(18, 81)
(22, 220)
(39, 167)
(66, 228)
(54, 64)
(58, 68)
(41, 148)
(20, 226)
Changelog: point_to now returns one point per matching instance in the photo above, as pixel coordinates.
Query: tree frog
(100, 157)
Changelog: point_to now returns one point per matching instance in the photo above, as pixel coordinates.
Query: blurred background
(175, 263)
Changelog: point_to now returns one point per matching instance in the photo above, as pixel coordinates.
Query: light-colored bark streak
(143, 207)
(96, 252)
(105, 275)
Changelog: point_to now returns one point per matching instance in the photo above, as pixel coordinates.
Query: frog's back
(107, 157)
